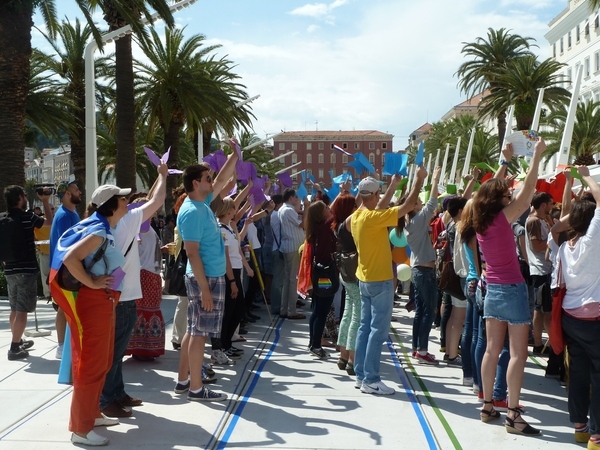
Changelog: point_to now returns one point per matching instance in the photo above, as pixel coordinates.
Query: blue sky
(351, 64)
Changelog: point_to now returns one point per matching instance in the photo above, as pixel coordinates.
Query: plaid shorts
(200, 321)
(22, 291)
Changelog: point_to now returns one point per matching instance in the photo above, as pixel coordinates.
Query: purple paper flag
(257, 196)
(276, 189)
(244, 170)
(234, 145)
(154, 159)
(286, 179)
(215, 160)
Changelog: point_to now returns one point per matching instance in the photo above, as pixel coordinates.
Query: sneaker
(446, 357)
(26, 344)
(413, 354)
(181, 388)
(475, 388)
(236, 349)
(207, 369)
(221, 359)
(59, 351)
(468, 381)
(582, 435)
(105, 421)
(319, 353)
(206, 395)
(378, 388)
(358, 384)
(19, 354)
(92, 439)
(427, 359)
(231, 354)
(541, 350)
(457, 361)
(502, 405)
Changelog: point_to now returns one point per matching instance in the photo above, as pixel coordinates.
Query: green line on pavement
(539, 364)
(430, 399)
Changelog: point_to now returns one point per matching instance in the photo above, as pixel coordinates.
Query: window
(562, 45)
(569, 76)
(384, 145)
(587, 29)
(345, 145)
(281, 146)
(309, 146)
(383, 159)
(577, 34)
(372, 158)
(308, 158)
(294, 158)
(371, 145)
(554, 50)
(321, 146)
(294, 146)
(356, 145)
(597, 21)
(321, 158)
(320, 174)
(569, 39)
(597, 61)
(294, 177)
(586, 67)
(345, 159)
(332, 158)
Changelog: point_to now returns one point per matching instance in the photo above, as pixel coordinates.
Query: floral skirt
(148, 338)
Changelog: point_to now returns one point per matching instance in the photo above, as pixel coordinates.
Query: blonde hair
(226, 205)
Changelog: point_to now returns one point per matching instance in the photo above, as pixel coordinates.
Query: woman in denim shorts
(506, 306)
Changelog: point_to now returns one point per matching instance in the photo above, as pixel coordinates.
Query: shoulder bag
(68, 282)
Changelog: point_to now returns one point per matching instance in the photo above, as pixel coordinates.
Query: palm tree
(178, 87)
(119, 13)
(68, 63)
(594, 4)
(488, 57)
(586, 133)
(519, 83)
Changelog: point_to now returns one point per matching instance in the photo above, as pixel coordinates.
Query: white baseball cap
(107, 191)
(368, 186)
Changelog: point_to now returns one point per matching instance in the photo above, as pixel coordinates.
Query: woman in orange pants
(89, 253)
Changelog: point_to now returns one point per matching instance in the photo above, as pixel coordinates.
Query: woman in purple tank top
(506, 306)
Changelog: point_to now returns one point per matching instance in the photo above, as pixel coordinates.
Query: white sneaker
(358, 384)
(59, 351)
(378, 388)
(221, 359)
(468, 381)
(105, 421)
(92, 439)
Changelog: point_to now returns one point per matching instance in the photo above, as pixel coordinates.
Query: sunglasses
(208, 179)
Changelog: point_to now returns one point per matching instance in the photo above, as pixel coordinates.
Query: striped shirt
(28, 261)
(292, 236)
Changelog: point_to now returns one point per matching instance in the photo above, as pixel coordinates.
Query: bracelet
(504, 162)
(231, 281)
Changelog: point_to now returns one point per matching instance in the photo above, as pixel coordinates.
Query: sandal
(350, 369)
(488, 416)
(341, 363)
(528, 430)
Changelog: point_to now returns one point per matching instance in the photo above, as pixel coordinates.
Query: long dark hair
(341, 209)
(487, 204)
(314, 217)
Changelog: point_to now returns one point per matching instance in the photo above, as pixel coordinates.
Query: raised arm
(521, 202)
(566, 197)
(225, 173)
(471, 181)
(507, 152)
(584, 171)
(243, 194)
(411, 200)
(384, 201)
(159, 193)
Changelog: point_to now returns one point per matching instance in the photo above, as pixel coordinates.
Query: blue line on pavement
(238, 412)
(413, 399)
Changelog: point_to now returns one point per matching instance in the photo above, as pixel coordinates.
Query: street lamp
(91, 150)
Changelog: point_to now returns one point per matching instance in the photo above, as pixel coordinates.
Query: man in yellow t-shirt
(369, 227)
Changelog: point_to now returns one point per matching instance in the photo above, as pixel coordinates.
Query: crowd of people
(510, 248)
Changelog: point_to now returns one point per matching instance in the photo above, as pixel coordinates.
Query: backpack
(11, 238)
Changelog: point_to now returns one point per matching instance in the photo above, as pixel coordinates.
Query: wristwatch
(504, 162)
(231, 281)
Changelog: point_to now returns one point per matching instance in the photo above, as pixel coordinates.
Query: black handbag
(65, 278)
(347, 263)
(325, 279)
(450, 281)
(177, 280)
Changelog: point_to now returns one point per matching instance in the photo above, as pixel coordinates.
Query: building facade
(315, 153)
(574, 39)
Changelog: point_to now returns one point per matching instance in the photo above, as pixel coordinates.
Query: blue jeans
(425, 303)
(125, 318)
(468, 342)
(377, 300)
(320, 308)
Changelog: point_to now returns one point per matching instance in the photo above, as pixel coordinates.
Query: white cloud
(312, 28)
(318, 10)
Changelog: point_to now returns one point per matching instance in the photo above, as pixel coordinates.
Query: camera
(45, 189)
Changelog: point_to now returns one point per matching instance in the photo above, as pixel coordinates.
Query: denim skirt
(507, 303)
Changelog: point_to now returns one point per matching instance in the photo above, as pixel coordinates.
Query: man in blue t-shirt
(64, 218)
(205, 274)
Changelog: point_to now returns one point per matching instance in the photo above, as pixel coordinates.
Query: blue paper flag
(420, 154)
(395, 163)
(364, 162)
(342, 178)
(301, 191)
(356, 165)
(333, 191)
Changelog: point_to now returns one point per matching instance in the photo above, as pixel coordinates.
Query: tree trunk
(501, 128)
(125, 109)
(206, 138)
(15, 52)
(172, 140)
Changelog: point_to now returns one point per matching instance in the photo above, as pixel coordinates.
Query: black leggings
(320, 308)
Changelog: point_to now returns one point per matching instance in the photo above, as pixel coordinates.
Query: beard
(75, 200)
